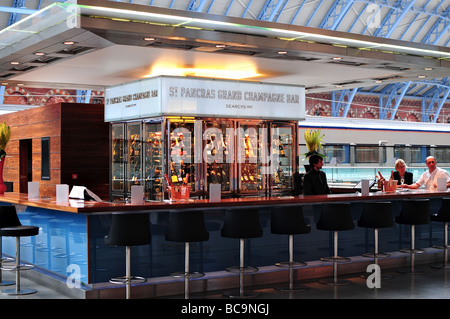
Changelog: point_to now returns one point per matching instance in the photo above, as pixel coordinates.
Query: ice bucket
(390, 186)
(179, 193)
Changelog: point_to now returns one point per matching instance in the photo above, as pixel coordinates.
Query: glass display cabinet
(171, 133)
(246, 157)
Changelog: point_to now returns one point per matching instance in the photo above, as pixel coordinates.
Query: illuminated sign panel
(174, 96)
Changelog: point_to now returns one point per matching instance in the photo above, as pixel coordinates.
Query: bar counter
(81, 206)
(73, 234)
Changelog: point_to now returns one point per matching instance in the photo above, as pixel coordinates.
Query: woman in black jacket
(401, 173)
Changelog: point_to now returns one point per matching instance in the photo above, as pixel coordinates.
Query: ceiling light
(69, 42)
(428, 69)
(337, 58)
(220, 45)
(421, 76)
(15, 63)
(378, 81)
(5, 83)
(39, 53)
(243, 73)
(282, 52)
(149, 39)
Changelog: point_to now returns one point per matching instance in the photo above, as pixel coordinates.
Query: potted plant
(314, 140)
(5, 134)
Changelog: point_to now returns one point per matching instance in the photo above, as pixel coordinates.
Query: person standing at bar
(401, 175)
(315, 180)
(429, 178)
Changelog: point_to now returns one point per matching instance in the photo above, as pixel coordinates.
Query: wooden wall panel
(85, 147)
(78, 145)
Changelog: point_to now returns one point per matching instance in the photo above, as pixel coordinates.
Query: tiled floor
(433, 284)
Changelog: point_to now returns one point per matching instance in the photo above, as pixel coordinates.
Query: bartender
(315, 181)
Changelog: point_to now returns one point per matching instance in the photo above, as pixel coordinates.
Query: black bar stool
(335, 217)
(443, 216)
(129, 229)
(2, 260)
(241, 223)
(10, 226)
(376, 215)
(289, 220)
(414, 212)
(186, 227)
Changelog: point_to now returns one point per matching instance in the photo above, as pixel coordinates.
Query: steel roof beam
(336, 14)
(386, 101)
(270, 9)
(342, 100)
(393, 18)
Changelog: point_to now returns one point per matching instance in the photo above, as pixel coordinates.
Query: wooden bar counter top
(82, 206)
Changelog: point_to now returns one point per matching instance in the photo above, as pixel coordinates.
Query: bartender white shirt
(429, 180)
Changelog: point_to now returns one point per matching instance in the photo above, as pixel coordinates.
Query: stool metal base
(440, 266)
(241, 294)
(334, 282)
(293, 289)
(13, 291)
(409, 271)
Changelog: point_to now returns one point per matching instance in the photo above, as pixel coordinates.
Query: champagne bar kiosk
(191, 132)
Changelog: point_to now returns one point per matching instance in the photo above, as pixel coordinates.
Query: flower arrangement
(5, 134)
(313, 139)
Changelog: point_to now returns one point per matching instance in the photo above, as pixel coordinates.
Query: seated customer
(429, 178)
(401, 173)
(315, 181)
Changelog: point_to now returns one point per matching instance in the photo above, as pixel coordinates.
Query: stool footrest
(291, 264)
(237, 269)
(410, 251)
(377, 255)
(442, 247)
(183, 274)
(14, 267)
(335, 258)
(124, 280)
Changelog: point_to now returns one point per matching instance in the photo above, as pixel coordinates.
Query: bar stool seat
(129, 229)
(414, 212)
(186, 227)
(443, 216)
(10, 226)
(241, 223)
(335, 217)
(289, 221)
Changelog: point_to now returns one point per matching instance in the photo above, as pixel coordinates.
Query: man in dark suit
(315, 181)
